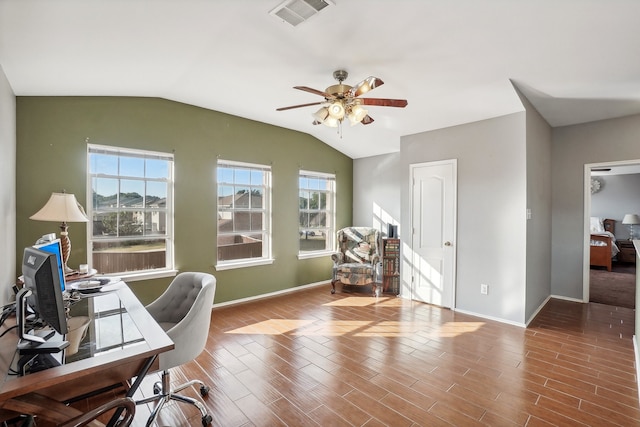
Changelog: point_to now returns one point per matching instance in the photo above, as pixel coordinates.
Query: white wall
(573, 147)
(539, 203)
(376, 191)
(7, 188)
(492, 201)
(620, 195)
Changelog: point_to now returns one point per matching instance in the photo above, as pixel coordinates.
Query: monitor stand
(31, 347)
(42, 342)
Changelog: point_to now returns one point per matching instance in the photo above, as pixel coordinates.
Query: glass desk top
(116, 340)
(98, 323)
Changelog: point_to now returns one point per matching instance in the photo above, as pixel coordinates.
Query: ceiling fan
(342, 101)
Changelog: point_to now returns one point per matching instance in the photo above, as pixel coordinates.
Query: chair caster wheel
(206, 420)
(156, 388)
(333, 291)
(204, 390)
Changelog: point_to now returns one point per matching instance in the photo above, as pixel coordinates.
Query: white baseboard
(635, 350)
(567, 298)
(497, 319)
(535, 313)
(273, 294)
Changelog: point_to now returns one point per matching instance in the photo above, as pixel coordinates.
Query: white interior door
(433, 240)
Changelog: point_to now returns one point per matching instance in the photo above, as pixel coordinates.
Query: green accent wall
(52, 136)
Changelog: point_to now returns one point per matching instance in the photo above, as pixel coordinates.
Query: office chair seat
(184, 312)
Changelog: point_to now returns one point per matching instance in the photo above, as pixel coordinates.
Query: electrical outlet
(484, 289)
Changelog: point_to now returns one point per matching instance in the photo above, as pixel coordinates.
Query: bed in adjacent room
(603, 245)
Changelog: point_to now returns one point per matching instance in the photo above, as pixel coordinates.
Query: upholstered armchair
(355, 262)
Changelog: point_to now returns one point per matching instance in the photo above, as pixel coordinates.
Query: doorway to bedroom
(612, 203)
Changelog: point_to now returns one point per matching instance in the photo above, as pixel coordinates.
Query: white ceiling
(453, 60)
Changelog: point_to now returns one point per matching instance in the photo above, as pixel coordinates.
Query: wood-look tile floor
(315, 359)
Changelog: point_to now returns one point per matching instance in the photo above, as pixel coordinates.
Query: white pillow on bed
(597, 226)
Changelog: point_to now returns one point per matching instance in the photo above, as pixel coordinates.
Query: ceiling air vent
(297, 11)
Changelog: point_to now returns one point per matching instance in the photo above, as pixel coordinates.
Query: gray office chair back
(184, 312)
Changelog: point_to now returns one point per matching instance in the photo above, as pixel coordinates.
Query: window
(131, 210)
(244, 214)
(317, 212)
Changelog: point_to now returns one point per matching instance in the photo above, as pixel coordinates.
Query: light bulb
(336, 110)
(356, 114)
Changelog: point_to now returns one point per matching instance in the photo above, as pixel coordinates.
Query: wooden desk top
(82, 376)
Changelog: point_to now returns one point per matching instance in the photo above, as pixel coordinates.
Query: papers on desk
(94, 284)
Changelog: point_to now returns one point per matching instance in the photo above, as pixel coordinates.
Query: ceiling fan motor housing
(339, 90)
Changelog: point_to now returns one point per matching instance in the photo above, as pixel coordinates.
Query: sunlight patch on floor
(357, 328)
(272, 327)
(453, 329)
(354, 302)
(333, 328)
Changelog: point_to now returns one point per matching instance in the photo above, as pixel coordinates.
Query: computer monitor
(42, 278)
(55, 247)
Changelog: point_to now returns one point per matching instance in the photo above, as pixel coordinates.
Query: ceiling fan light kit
(342, 101)
(337, 110)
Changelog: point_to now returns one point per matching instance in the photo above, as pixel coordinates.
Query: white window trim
(267, 258)
(330, 218)
(230, 265)
(315, 254)
(169, 270)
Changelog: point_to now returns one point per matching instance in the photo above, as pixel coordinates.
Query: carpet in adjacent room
(616, 287)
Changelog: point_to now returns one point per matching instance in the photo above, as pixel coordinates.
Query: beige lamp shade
(61, 207)
(630, 219)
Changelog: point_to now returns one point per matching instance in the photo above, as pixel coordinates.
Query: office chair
(126, 403)
(184, 312)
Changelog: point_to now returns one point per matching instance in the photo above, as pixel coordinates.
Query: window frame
(266, 210)
(330, 213)
(169, 269)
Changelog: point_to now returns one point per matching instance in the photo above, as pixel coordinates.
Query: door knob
(447, 243)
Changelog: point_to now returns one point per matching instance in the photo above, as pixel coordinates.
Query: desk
(82, 374)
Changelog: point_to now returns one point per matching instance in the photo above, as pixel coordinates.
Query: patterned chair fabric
(357, 257)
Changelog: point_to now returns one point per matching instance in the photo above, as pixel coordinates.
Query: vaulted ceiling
(455, 61)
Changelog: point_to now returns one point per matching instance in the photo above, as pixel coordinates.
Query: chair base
(164, 393)
(375, 287)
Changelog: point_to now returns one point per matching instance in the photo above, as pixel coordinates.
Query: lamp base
(66, 248)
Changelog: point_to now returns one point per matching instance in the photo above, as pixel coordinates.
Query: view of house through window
(130, 207)
(243, 212)
(317, 211)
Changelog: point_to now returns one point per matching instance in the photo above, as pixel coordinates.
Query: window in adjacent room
(317, 212)
(244, 214)
(130, 204)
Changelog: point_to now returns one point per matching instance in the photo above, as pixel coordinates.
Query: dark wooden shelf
(391, 266)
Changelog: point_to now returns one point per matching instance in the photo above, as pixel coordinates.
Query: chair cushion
(358, 244)
(167, 325)
(355, 273)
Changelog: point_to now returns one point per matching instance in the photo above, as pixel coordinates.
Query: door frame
(454, 269)
(586, 254)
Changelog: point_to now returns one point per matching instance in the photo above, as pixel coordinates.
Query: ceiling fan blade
(384, 102)
(312, 90)
(365, 86)
(298, 106)
(367, 120)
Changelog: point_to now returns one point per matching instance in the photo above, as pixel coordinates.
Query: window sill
(147, 275)
(318, 254)
(230, 265)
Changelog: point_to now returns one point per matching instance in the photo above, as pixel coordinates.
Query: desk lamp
(631, 220)
(65, 208)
